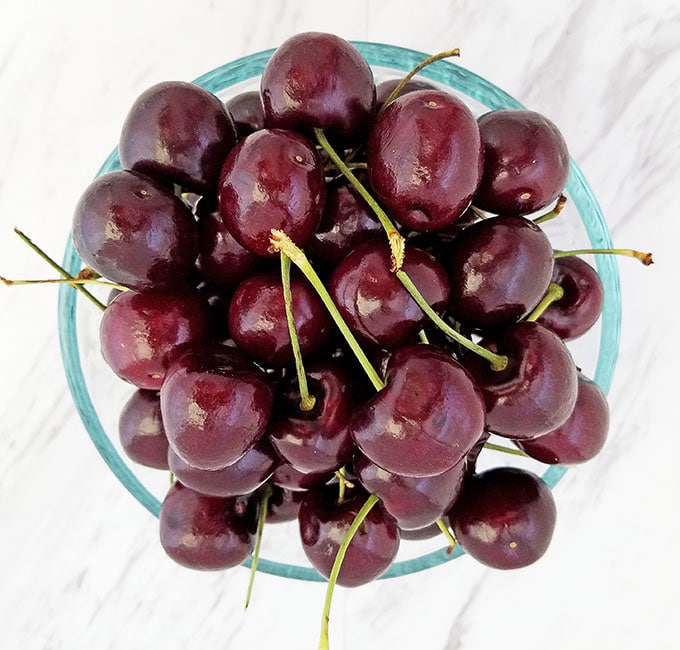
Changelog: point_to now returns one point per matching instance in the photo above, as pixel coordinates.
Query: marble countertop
(80, 562)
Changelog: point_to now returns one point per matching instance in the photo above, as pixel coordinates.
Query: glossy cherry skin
(581, 437)
(134, 231)
(323, 525)
(500, 268)
(372, 300)
(418, 534)
(141, 333)
(315, 441)
(179, 133)
(206, 533)
(319, 80)
(141, 431)
(504, 518)
(242, 477)
(272, 179)
(257, 319)
(536, 393)
(427, 417)
(215, 405)
(247, 112)
(289, 478)
(526, 162)
(384, 89)
(413, 502)
(578, 310)
(425, 159)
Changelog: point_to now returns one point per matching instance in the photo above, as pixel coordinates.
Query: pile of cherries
(332, 293)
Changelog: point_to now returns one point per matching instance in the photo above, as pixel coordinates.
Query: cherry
(581, 437)
(247, 112)
(425, 159)
(418, 534)
(206, 533)
(215, 405)
(141, 333)
(504, 517)
(179, 133)
(134, 231)
(526, 162)
(427, 417)
(324, 523)
(271, 179)
(141, 431)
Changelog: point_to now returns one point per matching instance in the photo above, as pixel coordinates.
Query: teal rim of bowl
(377, 55)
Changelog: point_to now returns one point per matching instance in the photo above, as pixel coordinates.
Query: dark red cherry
(134, 231)
(206, 533)
(425, 159)
(504, 517)
(536, 392)
(500, 268)
(179, 133)
(141, 333)
(247, 112)
(315, 441)
(141, 431)
(323, 525)
(526, 162)
(372, 300)
(384, 89)
(427, 417)
(581, 437)
(215, 405)
(319, 80)
(257, 319)
(272, 179)
(578, 310)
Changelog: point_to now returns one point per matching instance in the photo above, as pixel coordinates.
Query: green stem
(447, 533)
(554, 293)
(423, 337)
(72, 281)
(282, 243)
(307, 401)
(343, 484)
(645, 258)
(59, 269)
(561, 202)
(505, 450)
(396, 241)
(261, 517)
(497, 361)
(337, 564)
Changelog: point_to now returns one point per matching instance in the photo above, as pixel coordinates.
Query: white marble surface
(80, 565)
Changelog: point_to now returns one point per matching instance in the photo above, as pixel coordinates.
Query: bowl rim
(378, 55)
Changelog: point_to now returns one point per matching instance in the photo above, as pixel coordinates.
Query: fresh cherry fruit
(323, 525)
(418, 534)
(282, 504)
(504, 517)
(247, 112)
(581, 305)
(272, 179)
(141, 431)
(526, 162)
(287, 477)
(384, 89)
(413, 502)
(536, 392)
(179, 133)
(319, 80)
(257, 319)
(134, 231)
(242, 477)
(425, 159)
(206, 533)
(425, 419)
(141, 333)
(315, 441)
(372, 300)
(216, 405)
(500, 268)
(581, 437)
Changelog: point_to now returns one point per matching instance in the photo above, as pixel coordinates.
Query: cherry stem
(554, 293)
(479, 213)
(307, 401)
(282, 243)
(397, 242)
(423, 337)
(645, 258)
(261, 517)
(497, 361)
(447, 533)
(72, 281)
(425, 62)
(505, 450)
(59, 269)
(337, 564)
(343, 484)
(559, 206)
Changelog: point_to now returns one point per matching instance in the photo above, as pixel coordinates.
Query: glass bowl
(99, 395)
